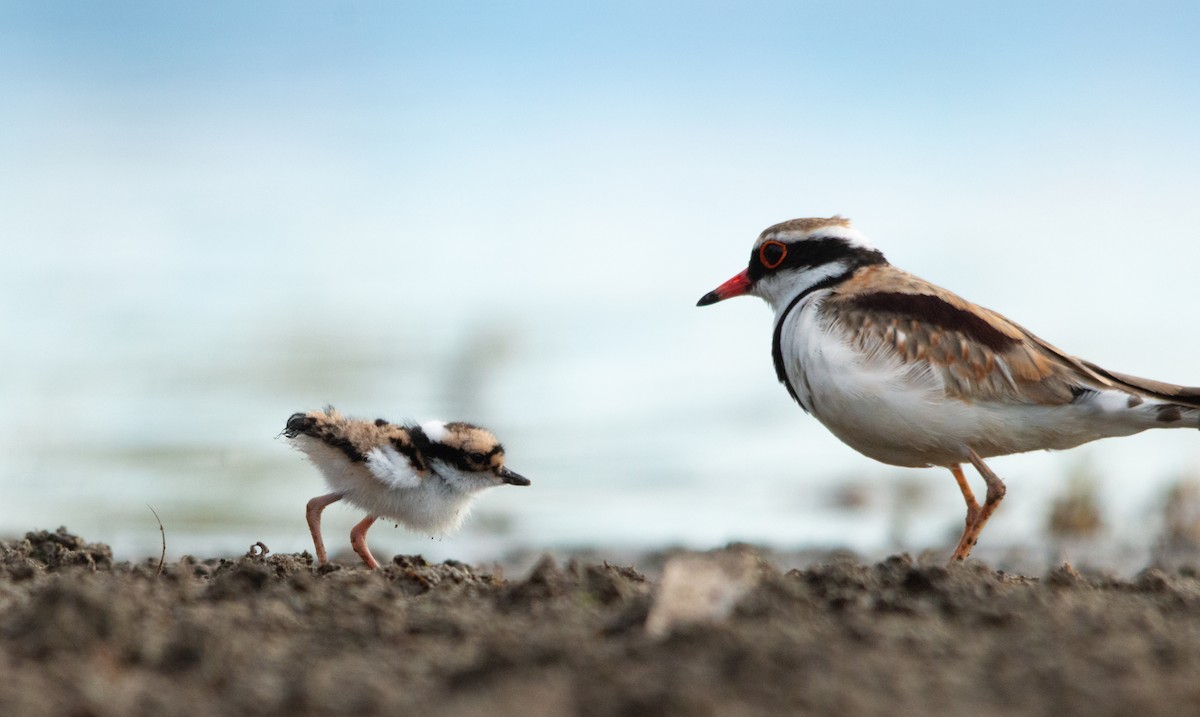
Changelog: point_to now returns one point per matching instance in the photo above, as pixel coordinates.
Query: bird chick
(423, 477)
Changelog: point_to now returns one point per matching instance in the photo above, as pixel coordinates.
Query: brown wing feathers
(934, 311)
(980, 353)
(975, 358)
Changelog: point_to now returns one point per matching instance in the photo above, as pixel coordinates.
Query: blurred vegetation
(1077, 513)
(1179, 534)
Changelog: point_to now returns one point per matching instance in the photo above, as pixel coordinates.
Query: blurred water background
(216, 214)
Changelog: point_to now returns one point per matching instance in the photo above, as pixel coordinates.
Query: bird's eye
(772, 253)
(478, 458)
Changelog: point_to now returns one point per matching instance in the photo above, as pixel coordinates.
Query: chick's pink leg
(358, 540)
(313, 514)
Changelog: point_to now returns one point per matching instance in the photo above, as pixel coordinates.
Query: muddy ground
(268, 635)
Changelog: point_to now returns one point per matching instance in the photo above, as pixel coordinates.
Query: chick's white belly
(429, 506)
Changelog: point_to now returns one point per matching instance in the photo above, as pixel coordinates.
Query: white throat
(780, 290)
(460, 481)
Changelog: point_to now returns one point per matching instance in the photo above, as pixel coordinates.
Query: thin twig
(162, 558)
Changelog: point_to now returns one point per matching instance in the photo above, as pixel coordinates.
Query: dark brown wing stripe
(932, 310)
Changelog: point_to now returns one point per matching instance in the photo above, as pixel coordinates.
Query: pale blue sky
(177, 179)
(511, 112)
(241, 138)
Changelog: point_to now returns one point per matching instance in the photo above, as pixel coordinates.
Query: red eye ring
(769, 263)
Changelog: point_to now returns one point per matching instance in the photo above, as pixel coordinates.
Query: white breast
(873, 403)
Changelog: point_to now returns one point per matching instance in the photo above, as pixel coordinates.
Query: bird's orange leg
(968, 494)
(358, 540)
(313, 514)
(995, 494)
(963, 549)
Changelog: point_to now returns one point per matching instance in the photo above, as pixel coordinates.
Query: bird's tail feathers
(1180, 396)
(329, 427)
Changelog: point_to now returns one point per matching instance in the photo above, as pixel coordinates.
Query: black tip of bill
(513, 478)
(709, 298)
